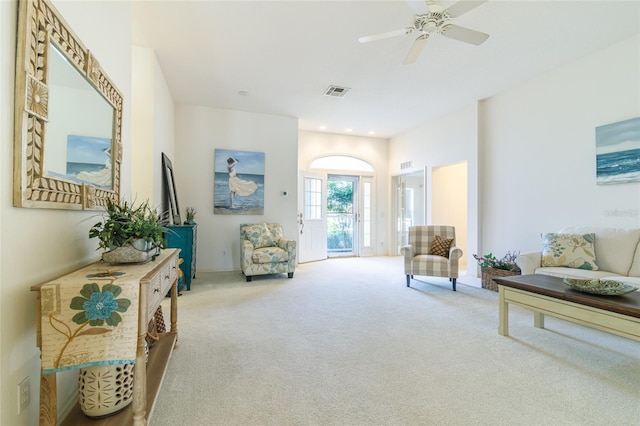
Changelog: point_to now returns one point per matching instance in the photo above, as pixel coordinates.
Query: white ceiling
(286, 53)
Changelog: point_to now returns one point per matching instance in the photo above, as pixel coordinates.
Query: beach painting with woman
(238, 186)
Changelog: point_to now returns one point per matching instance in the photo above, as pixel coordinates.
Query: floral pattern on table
(89, 320)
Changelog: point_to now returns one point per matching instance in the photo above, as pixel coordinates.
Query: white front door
(342, 216)
(312, 213)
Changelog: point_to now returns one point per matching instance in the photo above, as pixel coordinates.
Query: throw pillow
(259, 235)
(440, 246)
(570, 250)
(276, 233)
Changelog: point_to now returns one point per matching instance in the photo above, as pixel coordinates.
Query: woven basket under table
(488, 274)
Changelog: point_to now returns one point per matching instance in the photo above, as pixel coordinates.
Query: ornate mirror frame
(40, 26)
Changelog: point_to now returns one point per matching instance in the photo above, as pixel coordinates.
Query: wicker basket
(488, 274)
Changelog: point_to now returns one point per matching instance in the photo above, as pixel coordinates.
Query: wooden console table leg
(174, 308)
(538, 319)
(139, 403)
(48, 400)
(503, 313)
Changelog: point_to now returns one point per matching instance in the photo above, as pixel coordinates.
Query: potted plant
(492, 267)
(127, 231)
(191, 215)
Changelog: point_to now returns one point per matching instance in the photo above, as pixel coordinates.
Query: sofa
(264, 250)
(587, 252)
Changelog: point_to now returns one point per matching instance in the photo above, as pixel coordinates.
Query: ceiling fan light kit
(436, 20)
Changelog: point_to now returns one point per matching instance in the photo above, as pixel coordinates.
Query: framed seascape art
(618, 152)
(238, 186)
(89, 160)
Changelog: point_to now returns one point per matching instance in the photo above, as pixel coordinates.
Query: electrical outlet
(24, 394)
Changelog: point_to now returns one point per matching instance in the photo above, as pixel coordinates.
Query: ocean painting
(618, 152)
(238, 186)
(89, 160)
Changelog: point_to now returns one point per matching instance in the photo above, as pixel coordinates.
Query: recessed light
(323, 127)
(371, 132)
(349, 130)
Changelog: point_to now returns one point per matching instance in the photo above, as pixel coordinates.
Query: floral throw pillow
(570, 250)
(440, 246)
(259, 235)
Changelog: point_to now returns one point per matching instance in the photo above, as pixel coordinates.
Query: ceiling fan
(436, 20)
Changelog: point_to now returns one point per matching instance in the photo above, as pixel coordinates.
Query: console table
(155, 279)
(547, 295)
(184, 237)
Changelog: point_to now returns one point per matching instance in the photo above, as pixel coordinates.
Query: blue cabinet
(184, 237)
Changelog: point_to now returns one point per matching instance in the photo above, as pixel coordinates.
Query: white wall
(448, 203)
(153, 127)
(142, 122)
(538, 151)
(314, 145)
(199, 131)
(37, 245)
(163, 129)
(448, 140)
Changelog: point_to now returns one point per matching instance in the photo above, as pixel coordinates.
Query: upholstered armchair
(264, 250)
(432, 252)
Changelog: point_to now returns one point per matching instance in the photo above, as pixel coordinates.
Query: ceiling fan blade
(415, 50)
(464, 34)
(389, 34)
(463, 7)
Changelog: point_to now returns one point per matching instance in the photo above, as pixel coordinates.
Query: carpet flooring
(346, 343)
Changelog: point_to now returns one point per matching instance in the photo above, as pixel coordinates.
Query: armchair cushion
(441, 246)
(571, 250)
(269, 255)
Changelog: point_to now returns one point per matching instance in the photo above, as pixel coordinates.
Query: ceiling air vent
(336, 91)
(406, 165)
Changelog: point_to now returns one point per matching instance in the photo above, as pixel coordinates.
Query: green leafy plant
(191, 215)
(507, 262)
(124, 223)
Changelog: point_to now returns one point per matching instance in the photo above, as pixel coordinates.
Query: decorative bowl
(602, 287)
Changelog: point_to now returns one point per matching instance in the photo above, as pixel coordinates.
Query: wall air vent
(336, 91)
(406, 165)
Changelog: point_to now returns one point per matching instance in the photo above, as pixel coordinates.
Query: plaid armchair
(263, 250)
(432, 252)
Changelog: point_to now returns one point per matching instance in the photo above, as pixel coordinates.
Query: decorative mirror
(68, 118)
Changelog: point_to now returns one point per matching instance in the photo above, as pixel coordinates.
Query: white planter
(105, 390)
